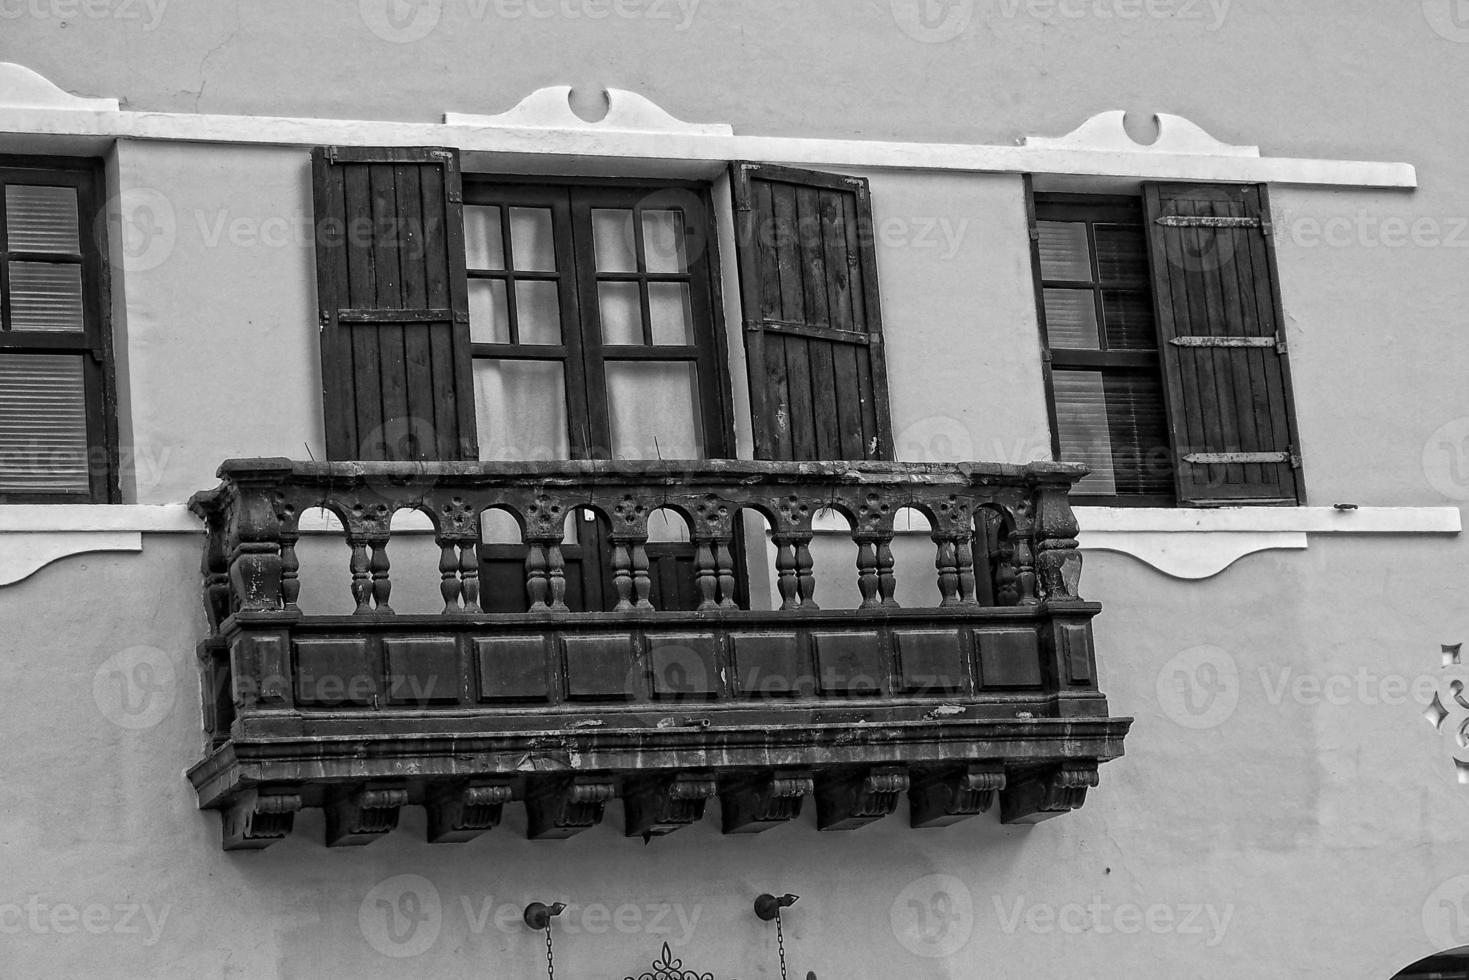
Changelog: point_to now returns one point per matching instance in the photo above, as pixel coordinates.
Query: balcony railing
(758, 699)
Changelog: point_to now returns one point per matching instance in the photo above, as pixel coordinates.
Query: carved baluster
(887, 581)
(724, 565)
(449, 575)
(537, 582)
(382, 584)
(946, 560)
(556, 576)
(290, 571)
(1024, 569)
(867, 570)
(622, 573)
(785, 570)
(642, 581)
(1006, 593)
(255, 553)
(805, 579)
(469, 575)
(964, 561)
(1058, 560)
(707, 576)
(361, 575)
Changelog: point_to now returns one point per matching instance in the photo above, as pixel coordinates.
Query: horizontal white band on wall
(1183, 543)
(543, 126)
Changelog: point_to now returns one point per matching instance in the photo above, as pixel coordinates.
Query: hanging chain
(550, 956)
(780, 941)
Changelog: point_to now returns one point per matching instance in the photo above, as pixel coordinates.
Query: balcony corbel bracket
(947, 797)
(754, 805)
(849, 800)
(562, 807)
(258, 819)
(460, 812)
(660, 805)
(1048, 794)
(359, 815)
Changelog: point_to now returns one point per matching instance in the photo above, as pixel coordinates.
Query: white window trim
(544, 126)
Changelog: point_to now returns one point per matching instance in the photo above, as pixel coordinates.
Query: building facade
(623, 456)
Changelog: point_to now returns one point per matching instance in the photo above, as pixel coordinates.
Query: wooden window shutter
(1222, 343)
(393, 295)
(812, 319)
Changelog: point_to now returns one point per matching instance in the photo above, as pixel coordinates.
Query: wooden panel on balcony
(462, 712)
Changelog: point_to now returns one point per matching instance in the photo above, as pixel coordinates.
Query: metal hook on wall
(538, 916)
(767, 907)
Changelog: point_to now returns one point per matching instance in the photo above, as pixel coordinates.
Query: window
(592, 321)
(1166, 361)
(57, 441)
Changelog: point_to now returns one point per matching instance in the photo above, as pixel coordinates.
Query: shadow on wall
(1453, 965)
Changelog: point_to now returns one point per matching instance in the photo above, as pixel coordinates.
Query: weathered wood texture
(467, 710)
(394, 307)
(812, 315)
(1223, 344)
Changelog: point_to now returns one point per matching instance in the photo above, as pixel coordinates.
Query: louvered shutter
(392, 290)
(812, 321)
(1222, 344)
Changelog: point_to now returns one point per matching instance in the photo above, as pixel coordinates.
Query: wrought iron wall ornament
(668, 968)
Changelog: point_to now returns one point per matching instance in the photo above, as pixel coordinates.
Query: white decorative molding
(1193, 555)
(543, 132)
(1199, 544)
(33, 536)
(627, 112)
(1106, 133)
(24, 89)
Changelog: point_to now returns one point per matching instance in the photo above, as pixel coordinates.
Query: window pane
(532, 247)
(1122, 253)
(41, 219)
(1114, 422)
(1071, 319)
(653, 410)
(489, 314)
(1130, 321)
(521, 407)
(483, 241)
(43, 424)
(44, 296)
(622, 314)
(613, 236)
(672, 314)
(1064, 251)
(663, 241)
(1081, 423)
(537, 313)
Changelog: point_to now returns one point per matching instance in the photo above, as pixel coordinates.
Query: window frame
(94, 344)
(1093, 209)
(581, 351)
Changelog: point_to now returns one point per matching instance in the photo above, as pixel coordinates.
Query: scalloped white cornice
(543, 130)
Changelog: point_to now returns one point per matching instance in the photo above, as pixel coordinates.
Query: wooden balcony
(756, 696)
